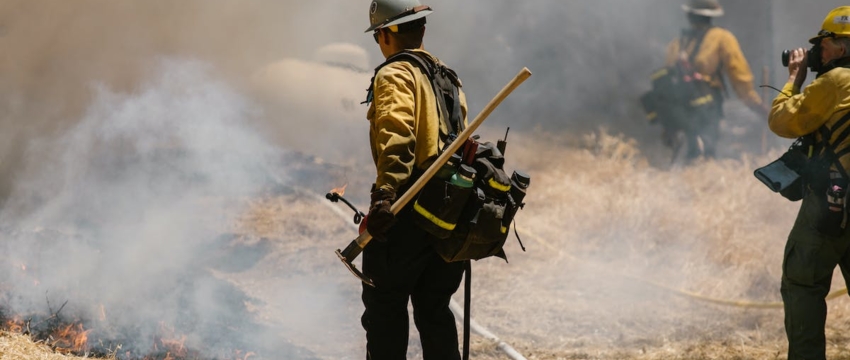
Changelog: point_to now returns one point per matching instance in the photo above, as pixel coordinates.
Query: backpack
(471, 221)
(681, 98)
(487, 209)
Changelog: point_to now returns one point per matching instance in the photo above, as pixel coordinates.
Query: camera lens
(786, 57)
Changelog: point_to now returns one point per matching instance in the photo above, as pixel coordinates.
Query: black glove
(380, 217)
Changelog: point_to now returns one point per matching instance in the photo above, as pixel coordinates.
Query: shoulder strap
(444, 82)
(826, 135)
(687, 37)
(697, 47)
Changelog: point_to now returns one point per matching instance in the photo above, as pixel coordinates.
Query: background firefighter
(712, 51)
(818, 241)
(406, 133)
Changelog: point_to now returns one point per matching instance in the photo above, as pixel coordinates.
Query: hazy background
(121, 119)
(593, 56)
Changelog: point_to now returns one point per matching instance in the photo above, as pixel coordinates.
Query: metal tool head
(353, 268)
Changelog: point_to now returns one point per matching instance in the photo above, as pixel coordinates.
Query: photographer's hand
(797, 67)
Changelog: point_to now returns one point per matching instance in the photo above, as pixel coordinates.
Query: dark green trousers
(807, 268)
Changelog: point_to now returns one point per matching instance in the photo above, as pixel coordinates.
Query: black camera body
(813, 60)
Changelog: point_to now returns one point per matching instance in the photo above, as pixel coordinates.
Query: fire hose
(680, 292)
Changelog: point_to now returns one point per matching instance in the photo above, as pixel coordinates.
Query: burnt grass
(232, 335)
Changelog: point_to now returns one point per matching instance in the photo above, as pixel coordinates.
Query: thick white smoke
(129, 206)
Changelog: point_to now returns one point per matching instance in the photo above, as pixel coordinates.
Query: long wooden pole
(357, 245)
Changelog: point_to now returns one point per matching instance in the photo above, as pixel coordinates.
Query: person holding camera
(405, 137)
(707, 49)
(819, 239)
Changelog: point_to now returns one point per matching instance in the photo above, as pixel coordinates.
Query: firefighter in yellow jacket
(819, 239)
(406, 134)
(712, 50)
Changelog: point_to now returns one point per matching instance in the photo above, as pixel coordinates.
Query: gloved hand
(380, 217)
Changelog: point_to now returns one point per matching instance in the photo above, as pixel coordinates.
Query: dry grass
(599, 221)
(21, 347)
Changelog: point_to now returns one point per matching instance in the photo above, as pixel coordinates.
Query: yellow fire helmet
(836, 24)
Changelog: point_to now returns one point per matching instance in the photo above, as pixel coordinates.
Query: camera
(813, 60)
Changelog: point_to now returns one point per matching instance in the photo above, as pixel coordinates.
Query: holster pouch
(483, 226)
(828, 222)
(480, 234)
(830, 219)
(438, 207)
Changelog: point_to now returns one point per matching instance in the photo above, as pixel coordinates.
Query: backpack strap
(826, 135)
(444, 83)
(687, 36)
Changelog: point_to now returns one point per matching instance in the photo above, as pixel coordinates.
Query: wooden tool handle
(523, 75)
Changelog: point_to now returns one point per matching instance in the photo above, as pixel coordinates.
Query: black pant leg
(807, 269)
(386, 323)
(431, 313)
(710, 136)
(395, 267)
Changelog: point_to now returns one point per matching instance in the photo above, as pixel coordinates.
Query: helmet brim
(401, 20)
(703, 12)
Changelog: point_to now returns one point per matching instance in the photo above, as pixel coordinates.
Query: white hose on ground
(483, 332)
(456, 308)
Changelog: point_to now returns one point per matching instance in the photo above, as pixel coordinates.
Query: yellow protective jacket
(823, 102)
(719, 50)
(405, 124)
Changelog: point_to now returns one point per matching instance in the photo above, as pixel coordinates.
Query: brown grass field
(608, 236)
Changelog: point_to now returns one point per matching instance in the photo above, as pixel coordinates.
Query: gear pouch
(830, 219)
(480, 233)
(438, 207)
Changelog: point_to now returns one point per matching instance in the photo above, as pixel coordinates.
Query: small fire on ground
(88, 337)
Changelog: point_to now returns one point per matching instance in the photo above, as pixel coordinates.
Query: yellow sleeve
(463, 107)
(393, 126)
(672, 52)
(801, 114)
(738, 70)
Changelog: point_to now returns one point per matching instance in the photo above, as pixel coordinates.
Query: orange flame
(238, 354)
(171, 343)
(15, 325)
(71, 338)
(340, 190)
(176, 345)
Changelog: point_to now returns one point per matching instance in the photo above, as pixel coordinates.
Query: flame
(238, 354)
(15, 325)
(176, 345)
(102, 313)
(23, 268)
(171, 343)
(340, 190)
(71, 338)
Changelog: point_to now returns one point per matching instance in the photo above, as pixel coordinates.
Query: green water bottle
(449, 168)
(463, 177)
